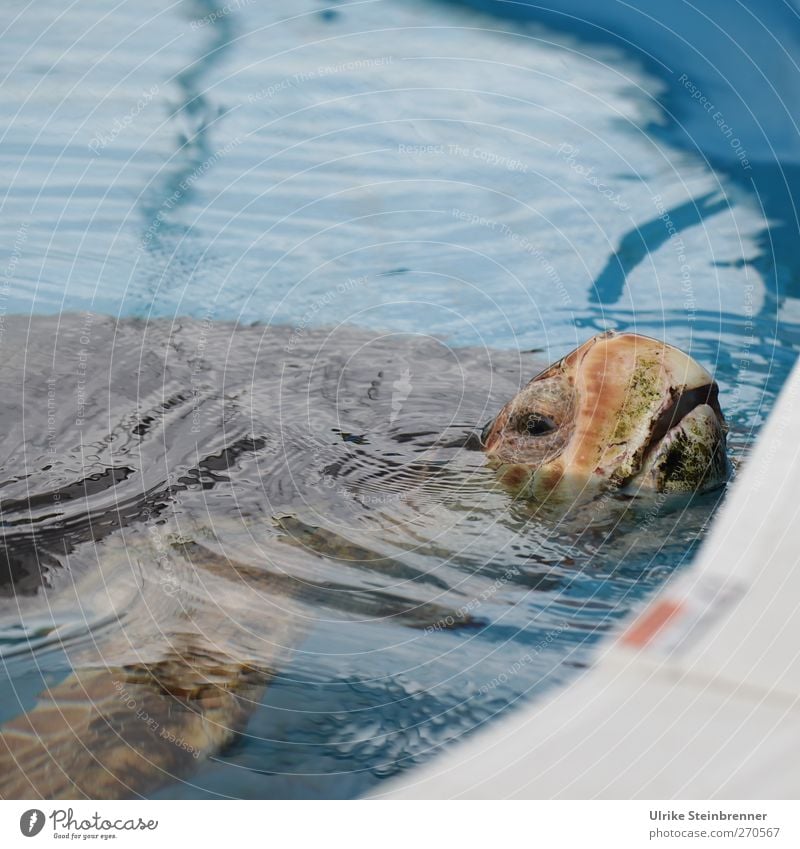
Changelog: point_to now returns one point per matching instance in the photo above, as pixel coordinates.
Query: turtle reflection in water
(180, 501)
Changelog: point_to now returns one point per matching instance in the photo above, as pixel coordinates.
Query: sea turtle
(157, 525)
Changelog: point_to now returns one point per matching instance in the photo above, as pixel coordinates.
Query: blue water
(491, 174)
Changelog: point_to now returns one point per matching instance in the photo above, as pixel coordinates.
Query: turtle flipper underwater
(108, 734)
(141, 710)
(189, 608)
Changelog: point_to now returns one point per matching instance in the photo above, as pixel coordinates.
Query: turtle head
(621, 410)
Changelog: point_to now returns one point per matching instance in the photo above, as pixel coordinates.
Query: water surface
(411, 196)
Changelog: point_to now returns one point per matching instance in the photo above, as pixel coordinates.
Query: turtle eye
(535, 424)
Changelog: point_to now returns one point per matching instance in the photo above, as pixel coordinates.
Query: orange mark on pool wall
(653, 620)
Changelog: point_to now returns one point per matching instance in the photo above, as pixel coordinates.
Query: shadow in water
(195, 116)
(637, 244)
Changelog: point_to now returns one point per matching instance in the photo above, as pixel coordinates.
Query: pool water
(428, 201)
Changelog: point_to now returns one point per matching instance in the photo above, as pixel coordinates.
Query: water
(439, 190)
